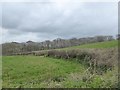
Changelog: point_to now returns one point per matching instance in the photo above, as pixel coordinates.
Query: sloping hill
(98, 45)
(107, 44)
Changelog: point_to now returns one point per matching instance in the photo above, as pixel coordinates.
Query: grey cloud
(47, 20)
(12, 14)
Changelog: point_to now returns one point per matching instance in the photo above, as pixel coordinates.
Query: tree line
(15, 47)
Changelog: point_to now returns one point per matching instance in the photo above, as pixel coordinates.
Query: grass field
(107, 44)
(45, 72)
(32, 71)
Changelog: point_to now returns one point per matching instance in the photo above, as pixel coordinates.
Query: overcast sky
(39, 21)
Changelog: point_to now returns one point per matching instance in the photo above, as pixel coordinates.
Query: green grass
(32, 71)
(107, 44)
(44, 72)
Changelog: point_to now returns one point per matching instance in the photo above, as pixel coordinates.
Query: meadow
(99, 45)
(31, 71)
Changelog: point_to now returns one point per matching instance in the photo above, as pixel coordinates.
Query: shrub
(39, 53)
(100, 60)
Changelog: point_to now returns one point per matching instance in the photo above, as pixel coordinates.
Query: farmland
(107, 44)
(31, 71)
(51, 72)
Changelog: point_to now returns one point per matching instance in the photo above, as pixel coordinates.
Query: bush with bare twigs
(100, 60)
